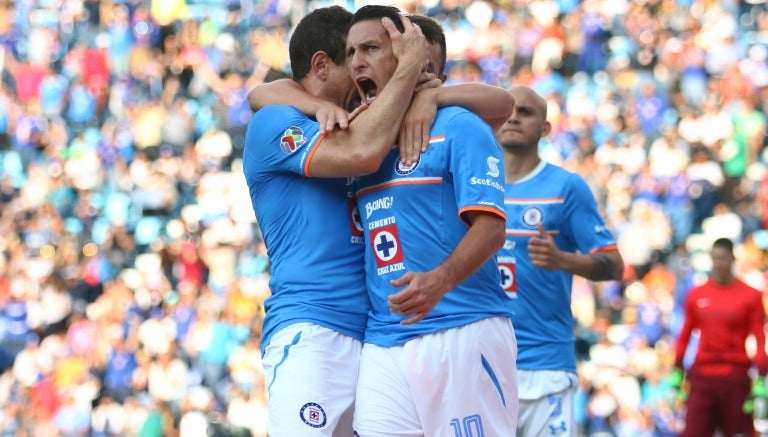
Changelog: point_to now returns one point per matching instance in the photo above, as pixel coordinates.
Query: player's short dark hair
(434, 34)
(377, 12)
(724, 243)
(322, 30)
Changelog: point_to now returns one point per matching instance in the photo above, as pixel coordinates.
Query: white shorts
(546, 403)
(458, 382)
(310, 373)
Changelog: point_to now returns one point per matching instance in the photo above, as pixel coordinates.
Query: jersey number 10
(470, 426)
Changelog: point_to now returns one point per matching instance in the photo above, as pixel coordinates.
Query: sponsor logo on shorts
(313, 415)
(292, 139)
(558, 428)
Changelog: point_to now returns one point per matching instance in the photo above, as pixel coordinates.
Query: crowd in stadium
(132, 271)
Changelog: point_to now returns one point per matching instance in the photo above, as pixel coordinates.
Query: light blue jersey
(310, 226)
(414, 217)
(542, 298)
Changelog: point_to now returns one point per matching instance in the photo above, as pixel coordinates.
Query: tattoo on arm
(601, 267)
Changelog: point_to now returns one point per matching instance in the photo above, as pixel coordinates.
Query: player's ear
(320, 64)
(546, 128)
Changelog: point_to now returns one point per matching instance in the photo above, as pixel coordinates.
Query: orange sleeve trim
(483, 209)
(518, 233)
(605, 249)
(312, 154)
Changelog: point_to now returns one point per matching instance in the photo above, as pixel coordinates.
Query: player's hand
(427, 80)
(543, 251)
(329, 115)
(408, 47)
(414, 130)
(757, 395)
(422, 292)
(678, 386)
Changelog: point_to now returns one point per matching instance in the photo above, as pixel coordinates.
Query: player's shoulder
(277, 113)
(455, 121)
(563, 176)
(449, 114)
(555, 169)
(275, 121)
(695, 293)
(754, 292)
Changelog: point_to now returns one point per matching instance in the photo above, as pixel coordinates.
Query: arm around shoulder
(281, 92)
(491, 103)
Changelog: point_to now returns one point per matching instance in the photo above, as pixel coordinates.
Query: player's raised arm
(492, 104)
(360, 149)
(288, 92)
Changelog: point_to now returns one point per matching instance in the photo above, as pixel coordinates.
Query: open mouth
(368, 89)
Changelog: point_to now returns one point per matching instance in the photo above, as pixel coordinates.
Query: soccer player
(439, 336)
(725, 311)
(554, 231)
(316, 314)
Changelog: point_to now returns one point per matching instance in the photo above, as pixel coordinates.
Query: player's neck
(315, 87)
(722, 281)
(519, 165)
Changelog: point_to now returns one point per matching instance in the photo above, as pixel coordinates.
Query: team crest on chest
(404, 170)
(532, 216)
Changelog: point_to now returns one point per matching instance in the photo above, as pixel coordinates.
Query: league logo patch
(404, 170)
(292, 139)
(386, 245)
(313, 415)
(508, 274)
(532, 217)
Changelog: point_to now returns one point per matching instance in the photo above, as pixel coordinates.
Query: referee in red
(725, 311)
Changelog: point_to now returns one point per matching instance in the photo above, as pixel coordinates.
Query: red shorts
(715, 403)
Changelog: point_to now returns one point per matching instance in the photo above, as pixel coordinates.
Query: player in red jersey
(725, 311)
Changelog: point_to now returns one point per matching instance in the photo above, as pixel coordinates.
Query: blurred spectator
(71, 419)
(108, 418)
